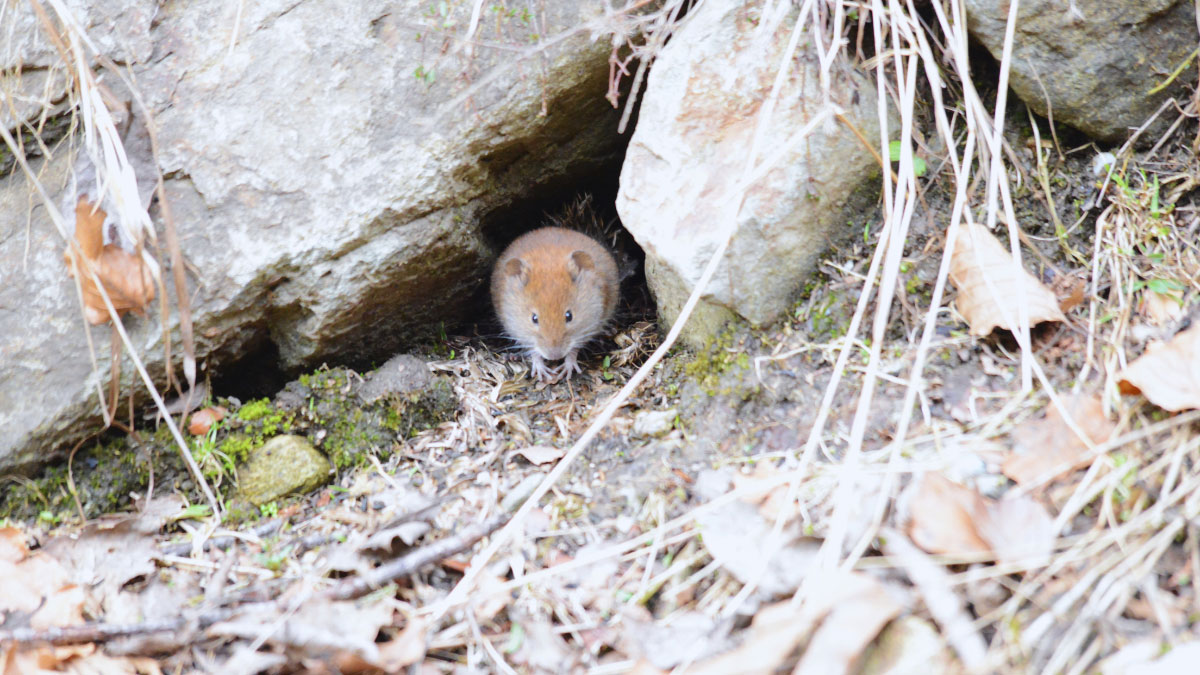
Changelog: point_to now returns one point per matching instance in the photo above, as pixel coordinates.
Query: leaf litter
(991, 289)
(1168, 373)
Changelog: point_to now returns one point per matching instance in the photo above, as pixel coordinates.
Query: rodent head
(551, 302)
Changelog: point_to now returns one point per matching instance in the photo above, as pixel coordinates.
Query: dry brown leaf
(126, 278)
(774, 633)
(89, 228)
(844, 613)
(980, 258)
(1160, 309)
(909, 644)
(852, 625)
(12, 545)
(1048, 448)
(739, 538)
(29, 581)
(1168, 373)
(954, 520)
(763, 488)
(541, 454)
(202, 421)
(36, 593)
(318, 627)
(943, 515)
(1018, 530)
(406, 648)
(1071, 292)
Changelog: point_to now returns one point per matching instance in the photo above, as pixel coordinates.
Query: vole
(554, 289)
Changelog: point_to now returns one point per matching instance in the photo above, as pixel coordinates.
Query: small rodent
(554, 289)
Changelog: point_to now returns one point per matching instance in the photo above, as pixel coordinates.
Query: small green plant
(269, 510)
(272, 561)
(516, 638)
(919, 166)
(1168, 287)
(194, 512)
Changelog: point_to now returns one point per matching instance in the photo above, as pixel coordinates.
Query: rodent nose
(552, 353)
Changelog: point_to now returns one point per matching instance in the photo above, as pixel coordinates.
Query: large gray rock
(32, 71)
(328, 175)
(694, 134)
(1093, 61)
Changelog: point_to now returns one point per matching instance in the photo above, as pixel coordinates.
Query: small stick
(427, 555)
(103, 632)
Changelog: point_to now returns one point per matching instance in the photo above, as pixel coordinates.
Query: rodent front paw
(569, 365)
(541, 371)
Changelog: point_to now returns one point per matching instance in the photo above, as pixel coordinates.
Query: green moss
(104, 474)
(717, 358)
(254, 410)
(333, 419)
(238, 446)
(348, 431)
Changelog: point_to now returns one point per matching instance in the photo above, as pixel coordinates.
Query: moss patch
(104, 474)
(321, 406)
(720, 355)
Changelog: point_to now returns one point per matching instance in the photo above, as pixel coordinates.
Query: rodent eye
(534, 317)
(568, 316)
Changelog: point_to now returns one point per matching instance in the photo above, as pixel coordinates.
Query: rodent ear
(517, 269)
(578, 262)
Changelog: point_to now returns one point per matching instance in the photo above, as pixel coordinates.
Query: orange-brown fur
(550, 272)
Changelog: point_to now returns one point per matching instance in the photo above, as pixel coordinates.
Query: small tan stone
(283, 465)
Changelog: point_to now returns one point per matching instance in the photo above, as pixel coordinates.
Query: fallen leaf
(1018, 530)
(1069, 290)
(980, 258)
(126, 278)
(406, 648)
(1160, 308)
(763, 487)
(909, 644)
(853, 622)
(740, 539)
(109, 553)
(246, 660)
(772, 636)
(202, 421)
(941, 597)
(947, 518)
(12, 545)
(343, 632)
(687, 637)
(36, 592)
(842, 615)
(942, 517)
(29, 580)
(1048, 448)
(1168, 373)
(541, 454)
